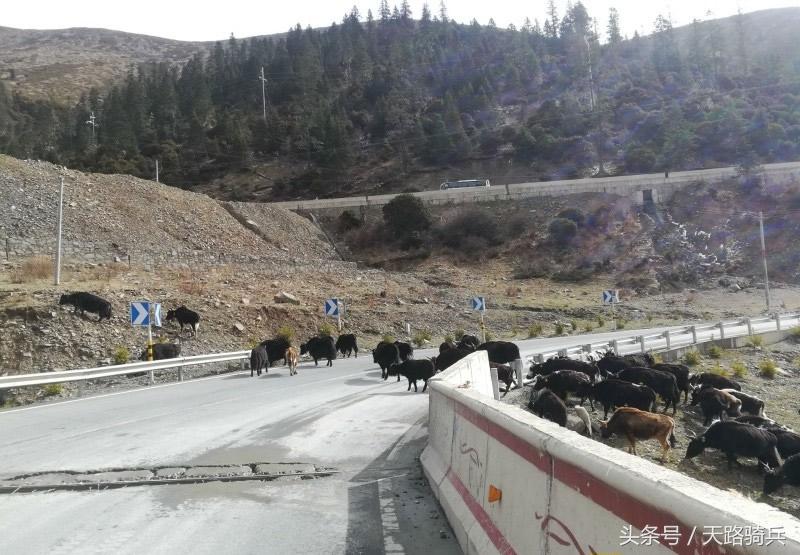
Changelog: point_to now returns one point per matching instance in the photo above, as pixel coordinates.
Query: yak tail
(672, 441)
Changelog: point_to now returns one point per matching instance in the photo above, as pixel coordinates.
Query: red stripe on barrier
(626, 507)
(494, 533)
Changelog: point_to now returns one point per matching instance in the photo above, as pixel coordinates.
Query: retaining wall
(565, 493)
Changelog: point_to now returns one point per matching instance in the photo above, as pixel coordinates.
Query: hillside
(230, 261)
(703, 236)
(63, 64)
(396, 103)
(119, 215)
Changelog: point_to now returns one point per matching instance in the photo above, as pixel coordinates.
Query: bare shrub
(473, 223)
(32, 269)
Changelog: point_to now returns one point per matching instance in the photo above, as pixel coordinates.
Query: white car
(464, 183)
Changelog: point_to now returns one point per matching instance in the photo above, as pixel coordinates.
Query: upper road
(621, 185)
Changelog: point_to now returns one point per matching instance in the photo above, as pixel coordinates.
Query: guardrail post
(722, 330)
(495, 383)
(152, 378)
(516, 365)
(538, 359)
(563, 353)
(180, 373)
(693, 329)
(241, 365)
(614, 346)
(587, 349)
(778, 321)
(668, 339)
(749, 322)
(640, 339)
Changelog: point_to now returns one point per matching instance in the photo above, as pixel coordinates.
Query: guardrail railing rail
(671, 338)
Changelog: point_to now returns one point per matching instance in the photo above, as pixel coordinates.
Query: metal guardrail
(689, 335)
(44, 378)
(675, 337)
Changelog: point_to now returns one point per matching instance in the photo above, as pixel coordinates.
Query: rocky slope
(127, 215)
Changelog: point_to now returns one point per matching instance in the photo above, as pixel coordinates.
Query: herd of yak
(632, 384)
(395, 358)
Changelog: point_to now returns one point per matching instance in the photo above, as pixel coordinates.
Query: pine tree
(551, 24)
(405, 10)
(612, 30)
(442, 12)
(383, 11)
(426, 13)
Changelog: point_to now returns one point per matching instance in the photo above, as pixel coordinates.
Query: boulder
(284, 297)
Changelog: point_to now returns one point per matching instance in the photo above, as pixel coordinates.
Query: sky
(204, 20)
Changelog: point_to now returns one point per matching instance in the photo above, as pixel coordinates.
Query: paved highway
(344, 417)
(620, 185)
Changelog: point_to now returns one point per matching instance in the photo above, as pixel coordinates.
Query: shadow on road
(398, 393)
(247, 376)
(239, 376)
(391, 509)
(360, 381)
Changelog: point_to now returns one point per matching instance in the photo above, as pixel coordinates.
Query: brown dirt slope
(285, 230)
(129, 215)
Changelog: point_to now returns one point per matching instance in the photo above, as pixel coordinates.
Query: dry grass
(718, 370)
(691, 358)
(755, 341)
(122, 355)
(768, 368)
(33, 269)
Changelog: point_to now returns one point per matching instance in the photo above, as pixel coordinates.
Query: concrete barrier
(560, 492)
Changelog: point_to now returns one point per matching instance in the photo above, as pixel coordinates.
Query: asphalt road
(618, 184)
(343, 417)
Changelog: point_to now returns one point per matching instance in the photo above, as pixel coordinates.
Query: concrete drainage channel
(159, 475)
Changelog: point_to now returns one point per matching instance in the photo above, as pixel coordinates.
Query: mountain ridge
(389, 104)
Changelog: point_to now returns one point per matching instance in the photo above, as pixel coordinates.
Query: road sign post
(479, 304)
(333, 307)
(611, 297)
(142, 315)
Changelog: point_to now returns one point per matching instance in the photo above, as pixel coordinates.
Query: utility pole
(156, 170)
(263, 92)
(592, 100)
(92, 121)
(764, 258)
(58, 239)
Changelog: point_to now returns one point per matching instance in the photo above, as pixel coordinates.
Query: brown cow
(638, 424)
(292, 357)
